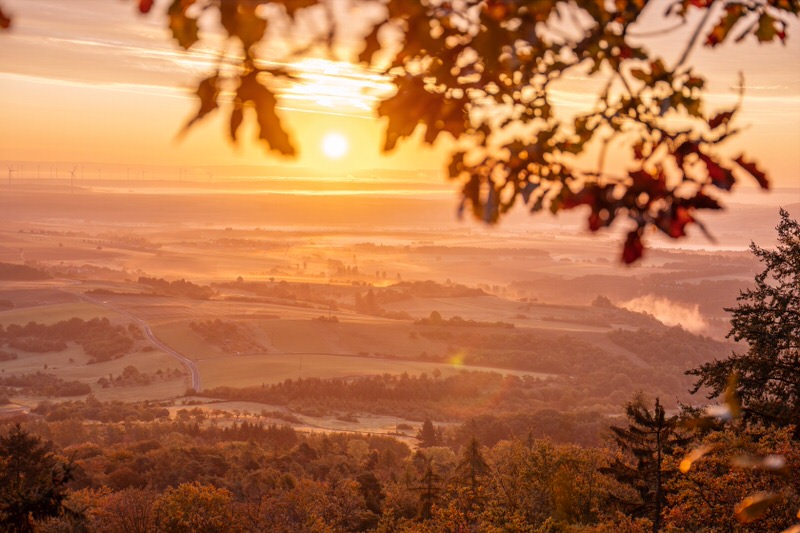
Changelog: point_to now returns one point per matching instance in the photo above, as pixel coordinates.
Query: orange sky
(89, 81)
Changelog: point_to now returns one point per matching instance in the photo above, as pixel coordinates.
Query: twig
(655, 33)
(695, 35)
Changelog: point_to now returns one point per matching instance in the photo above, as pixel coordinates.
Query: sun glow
(334, 145)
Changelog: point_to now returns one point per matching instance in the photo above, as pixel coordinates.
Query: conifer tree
(767, 318)
(427, 435)
(645, 442)
(429, 490)
(472, 466)
(32, 480)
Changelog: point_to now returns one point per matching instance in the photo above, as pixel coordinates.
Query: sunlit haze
(90, 82)
(224, 308)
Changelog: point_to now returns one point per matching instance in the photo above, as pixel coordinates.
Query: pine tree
(429, 490)
(471, 472)
(32, 480)
(472, 466)
(427, 435)
(767, 318)
(645, 442)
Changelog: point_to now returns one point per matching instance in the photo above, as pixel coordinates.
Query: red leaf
(145, 6)
(686, 148)
(720, 119)
(643, 182)
(5, 20)
(633, 248)
(674, 221)
(585, 196)
(720, 176)
(758, 174)
(703, 201)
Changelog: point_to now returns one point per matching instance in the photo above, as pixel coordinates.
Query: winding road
(190, 365)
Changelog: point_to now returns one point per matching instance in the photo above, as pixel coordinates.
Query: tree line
(734, 465)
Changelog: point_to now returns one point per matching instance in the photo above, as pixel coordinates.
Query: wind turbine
(72, 179)
(11, 170)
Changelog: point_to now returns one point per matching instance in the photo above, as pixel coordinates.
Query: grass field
(245, 371)
(179, 336)
(538, 279)
(50, 314)
(72, 365)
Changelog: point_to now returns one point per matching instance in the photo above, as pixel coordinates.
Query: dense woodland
(191, 475)
(735, 466)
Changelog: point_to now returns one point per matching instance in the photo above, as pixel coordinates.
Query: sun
(334, 145)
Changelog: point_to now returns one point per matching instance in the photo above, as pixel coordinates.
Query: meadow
(331, 295)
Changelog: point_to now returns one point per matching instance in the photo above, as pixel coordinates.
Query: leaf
(539, 205)
(471, 192)
(703, 201)
(5, 20)
(693, 456)
(695, 82)
(411, 105)
(490, 211)
(145, 6)
(456, 165)
(633, 248)
(755, 506)
(270, 129)
(184, 29)
(237, 116)
(731, 396)
(371, 45)
(527, 191)
(772, 462)
(585, 196)
(720, 176)
(720, 31)
(207, 92)
(766, 28)
(673, 222)
(720, 119)
(685, 149)
(720, 412)
(754, 171)
(240, 20)
(292, 6)
(640, 74)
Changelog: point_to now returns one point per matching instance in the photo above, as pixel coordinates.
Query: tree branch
(695, 35)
